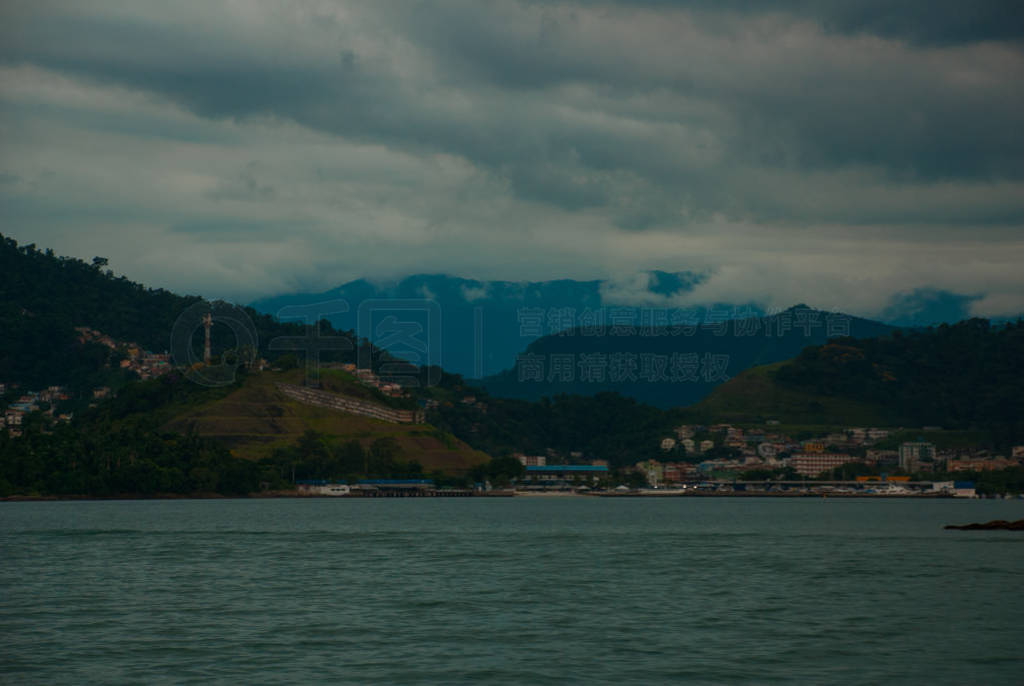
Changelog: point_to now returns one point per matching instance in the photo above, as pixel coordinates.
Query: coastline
(517, 494)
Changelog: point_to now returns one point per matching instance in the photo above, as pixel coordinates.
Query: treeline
(43, 297)
(104, 461)
(962, 376)
(118, 448)
(315, 456)
(606, 426)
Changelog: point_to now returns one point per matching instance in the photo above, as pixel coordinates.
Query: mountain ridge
(684, 361)
(501, 309)
(480, 325)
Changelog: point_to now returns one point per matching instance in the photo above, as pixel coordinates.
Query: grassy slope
(753, 397)
(257, 418)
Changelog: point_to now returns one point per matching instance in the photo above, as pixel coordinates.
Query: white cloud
(472, 294)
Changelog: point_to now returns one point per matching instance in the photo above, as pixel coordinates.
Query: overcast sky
(836, 153)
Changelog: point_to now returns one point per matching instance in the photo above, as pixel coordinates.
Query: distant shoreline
(549, 494)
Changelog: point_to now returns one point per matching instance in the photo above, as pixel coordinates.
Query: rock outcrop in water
(994, 525)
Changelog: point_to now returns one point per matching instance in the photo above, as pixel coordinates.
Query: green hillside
(257, 418)
(44, 297)
(169, 434)
(965, 378)
(754, 396)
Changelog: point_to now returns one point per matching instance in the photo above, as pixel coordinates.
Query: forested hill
(966, 375)
(668, 366)
(43, 298)
(37, 287)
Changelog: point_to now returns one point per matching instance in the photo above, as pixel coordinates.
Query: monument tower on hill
(207, 323)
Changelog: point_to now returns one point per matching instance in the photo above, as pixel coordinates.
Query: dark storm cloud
(927, 22)
(918, 113)
(776, 108)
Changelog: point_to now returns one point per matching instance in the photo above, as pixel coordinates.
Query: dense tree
(606, 426)
(500, 471)
(961, 376)
(44, 297)
(99, 459)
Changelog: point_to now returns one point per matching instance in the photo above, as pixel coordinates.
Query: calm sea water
(523, 591)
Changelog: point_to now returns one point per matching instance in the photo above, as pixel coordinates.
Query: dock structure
(382, 488)
(334, 401)
(405, 488)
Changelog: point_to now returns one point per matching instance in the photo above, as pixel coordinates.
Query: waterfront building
(964, 489)
(531, 460)
(883, 456)
(815, 464)
(812, 447)
(675, 472)
(321, 487)
(913, 454)
(393, 487)
(985, 464)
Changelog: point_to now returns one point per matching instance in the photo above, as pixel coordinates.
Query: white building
(322, 488)
(813, 465)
